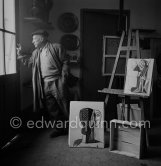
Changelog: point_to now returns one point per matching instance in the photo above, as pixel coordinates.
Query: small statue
(41, 9)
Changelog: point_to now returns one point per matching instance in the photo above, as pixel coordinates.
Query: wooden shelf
(39, 23)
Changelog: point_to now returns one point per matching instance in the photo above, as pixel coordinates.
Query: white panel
(9, 15)
(1, 54)
(10, 53)
(82, 124)
(1, 14)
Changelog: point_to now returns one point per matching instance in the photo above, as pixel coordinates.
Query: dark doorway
(95, 24)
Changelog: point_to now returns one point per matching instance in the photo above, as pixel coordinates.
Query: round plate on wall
(70, 42)
(68, 22)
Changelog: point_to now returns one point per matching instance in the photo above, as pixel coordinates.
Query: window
(7, 37)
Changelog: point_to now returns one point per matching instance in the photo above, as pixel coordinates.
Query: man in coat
(49, 73)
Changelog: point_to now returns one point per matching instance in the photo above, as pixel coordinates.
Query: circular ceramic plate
(68, 22)
(70, 42)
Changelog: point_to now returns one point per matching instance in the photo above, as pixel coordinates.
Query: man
(49, 72)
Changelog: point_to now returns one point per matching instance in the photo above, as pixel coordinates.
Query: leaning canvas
(86, 124)
(139, 77)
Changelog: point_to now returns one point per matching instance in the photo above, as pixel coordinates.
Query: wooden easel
(128, 48)
(134, 39)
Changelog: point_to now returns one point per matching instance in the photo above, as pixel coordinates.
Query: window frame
(6, 32)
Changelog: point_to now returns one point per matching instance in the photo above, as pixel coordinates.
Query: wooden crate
(126, 139)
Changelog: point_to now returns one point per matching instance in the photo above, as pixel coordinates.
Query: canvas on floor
(139, 76)
(86, 124)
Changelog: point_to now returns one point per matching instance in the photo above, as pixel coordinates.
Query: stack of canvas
(134, 114)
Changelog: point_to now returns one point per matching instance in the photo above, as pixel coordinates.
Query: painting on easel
(86, 127)
(139, 77)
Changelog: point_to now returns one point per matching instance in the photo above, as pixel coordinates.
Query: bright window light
(7, 37)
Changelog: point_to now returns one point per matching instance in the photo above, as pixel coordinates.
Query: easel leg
(144, 134)
(123, 109)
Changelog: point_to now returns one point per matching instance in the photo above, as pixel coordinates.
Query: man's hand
(65, 74)
(19, 51)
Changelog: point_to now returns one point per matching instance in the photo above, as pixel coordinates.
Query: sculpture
(41, 9)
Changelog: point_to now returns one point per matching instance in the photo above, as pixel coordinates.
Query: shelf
(39, 23)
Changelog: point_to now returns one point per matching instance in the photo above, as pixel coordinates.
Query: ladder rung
(132, 48)
(114, 56)
(116, 74)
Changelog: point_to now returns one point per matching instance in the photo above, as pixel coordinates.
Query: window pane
(1, 54)
(1, 14)
(10, 53)
(9, 15)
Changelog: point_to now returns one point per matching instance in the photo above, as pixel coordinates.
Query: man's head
(39, 37)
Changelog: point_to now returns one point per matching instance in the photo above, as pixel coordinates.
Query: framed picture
(86, 124)
(139, 77)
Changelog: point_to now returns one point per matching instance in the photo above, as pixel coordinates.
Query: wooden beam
(121, 8)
